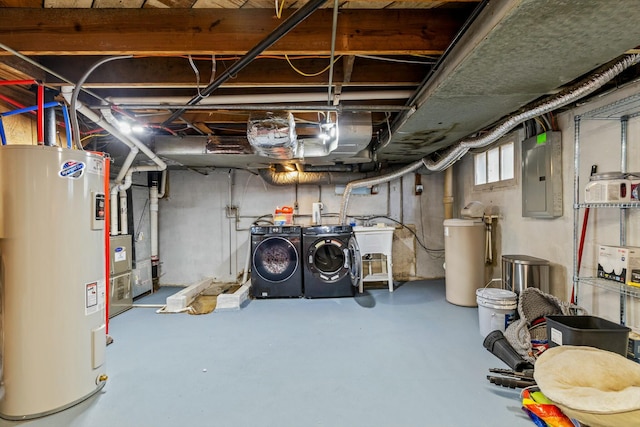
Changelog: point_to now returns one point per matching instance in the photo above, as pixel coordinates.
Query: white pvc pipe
(124, 186)
(113, 201)
(153, 216)
(124, 222)
(263, 98)
(129, 140)
(163, 184)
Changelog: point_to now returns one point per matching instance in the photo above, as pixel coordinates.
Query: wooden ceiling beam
(224, 31)
(209, 3)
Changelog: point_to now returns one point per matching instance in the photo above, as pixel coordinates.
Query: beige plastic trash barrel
(464, 242)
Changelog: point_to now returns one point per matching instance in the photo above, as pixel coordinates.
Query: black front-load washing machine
(332, 261)
(276, 258)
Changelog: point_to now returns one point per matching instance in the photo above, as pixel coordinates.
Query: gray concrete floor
(381, 359)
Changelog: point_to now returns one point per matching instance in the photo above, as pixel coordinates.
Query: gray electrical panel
(542, 176)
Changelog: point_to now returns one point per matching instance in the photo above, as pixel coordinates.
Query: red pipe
(18, 82)
(14, 103)
(585, 221)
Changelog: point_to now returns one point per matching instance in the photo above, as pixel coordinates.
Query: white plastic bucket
(496, 309)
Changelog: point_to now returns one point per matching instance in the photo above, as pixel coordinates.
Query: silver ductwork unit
(271, 143)
(353, 134)
(273, 135)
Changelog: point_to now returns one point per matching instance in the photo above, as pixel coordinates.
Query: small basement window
(496, 165)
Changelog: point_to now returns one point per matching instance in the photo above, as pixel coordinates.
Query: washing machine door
(275, 259)
(355, 261)
(328, 259)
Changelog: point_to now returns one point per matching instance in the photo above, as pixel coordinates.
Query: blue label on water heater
(71, 169)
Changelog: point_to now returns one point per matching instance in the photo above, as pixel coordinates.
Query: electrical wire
(401, 61)
(76, 91)
(279, 9)
(260, 219)
(214, 66)
(547, 120)
(197, 72)
(541, 123)
(93, 135)
(302, 73)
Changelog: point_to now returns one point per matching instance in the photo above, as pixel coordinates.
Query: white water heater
(52, 279)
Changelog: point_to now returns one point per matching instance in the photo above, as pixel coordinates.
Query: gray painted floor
(400, 359)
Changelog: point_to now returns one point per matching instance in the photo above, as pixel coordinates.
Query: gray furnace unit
(120, 293)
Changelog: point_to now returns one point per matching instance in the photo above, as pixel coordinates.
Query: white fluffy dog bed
(596, 387)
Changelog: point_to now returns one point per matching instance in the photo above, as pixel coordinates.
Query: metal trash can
(522, 271)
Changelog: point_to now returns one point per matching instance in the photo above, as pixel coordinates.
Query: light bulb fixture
(139, 129)
(125, 127)
(328, 129)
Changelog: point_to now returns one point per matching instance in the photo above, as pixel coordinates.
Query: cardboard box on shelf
(634, 280)
(619, 263)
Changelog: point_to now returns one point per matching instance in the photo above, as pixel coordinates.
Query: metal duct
(327, 168)
(270, 176)
(272, 135)
(354, 133)
(494, 70)
(565, 97)
(368, 182)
